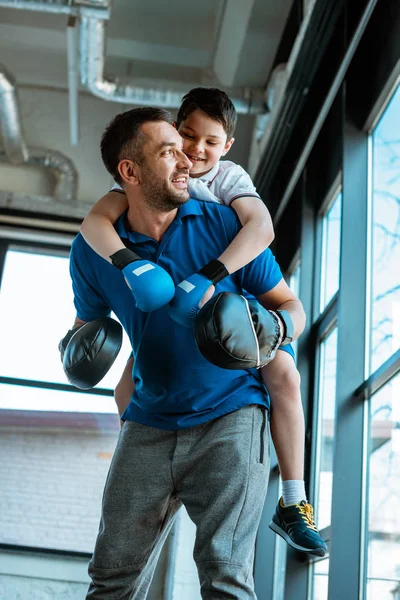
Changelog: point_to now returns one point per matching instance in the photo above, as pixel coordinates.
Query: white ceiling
(175, 40)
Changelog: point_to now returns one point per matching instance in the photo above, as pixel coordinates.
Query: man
(194, 434)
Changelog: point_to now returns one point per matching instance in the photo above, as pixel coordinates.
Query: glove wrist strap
(123, 257)
(288, 327)
(215, 271)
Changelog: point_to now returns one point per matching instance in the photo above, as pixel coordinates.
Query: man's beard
(158, 195)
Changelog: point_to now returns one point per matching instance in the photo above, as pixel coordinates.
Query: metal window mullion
(297, 579)
(59, 387)
(348, 497)
(379, 378)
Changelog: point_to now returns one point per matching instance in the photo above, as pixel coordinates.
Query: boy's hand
(186, 303)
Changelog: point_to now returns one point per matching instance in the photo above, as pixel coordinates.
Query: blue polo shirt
(175, 387)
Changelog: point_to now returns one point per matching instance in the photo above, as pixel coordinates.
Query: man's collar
(191, 207)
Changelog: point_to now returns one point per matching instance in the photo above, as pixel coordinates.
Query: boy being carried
(206, 121)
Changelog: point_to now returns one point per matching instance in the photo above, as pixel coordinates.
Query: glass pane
(320, 580)
(52, 483)
(18, 397)
(331, 252)
(36, 310)
(386, 235)
(326, 428)
(384, 493)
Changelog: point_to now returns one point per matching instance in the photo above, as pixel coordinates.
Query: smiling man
(193, 433)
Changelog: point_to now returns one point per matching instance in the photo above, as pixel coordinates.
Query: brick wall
(51, 486)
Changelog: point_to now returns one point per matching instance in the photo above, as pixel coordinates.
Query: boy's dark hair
(124, 138)
(214, 103)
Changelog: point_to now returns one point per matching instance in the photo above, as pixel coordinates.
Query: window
(58, 442)
(36, 310)
(320, 580)
(331, 224)
(384, 493)
(385, 235)
(326, 427)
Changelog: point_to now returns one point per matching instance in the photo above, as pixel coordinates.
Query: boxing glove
(235, 333)
(88, 351)
(188, 293)
(151, 285)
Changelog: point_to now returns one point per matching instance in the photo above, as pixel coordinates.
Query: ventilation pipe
(61, 7)
(16, 151)
(92, 52)
(10, 120)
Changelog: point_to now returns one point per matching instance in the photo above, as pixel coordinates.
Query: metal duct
(67, 176)
(16, 151)
(13, 140)
(92, 52)
(61, 7)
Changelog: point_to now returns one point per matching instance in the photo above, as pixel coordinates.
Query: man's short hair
(215, 103)
(124, 137)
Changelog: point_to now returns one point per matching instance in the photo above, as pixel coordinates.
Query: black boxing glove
(235, 333)
(88, 351)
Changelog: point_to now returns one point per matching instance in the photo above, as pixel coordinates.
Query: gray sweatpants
(218, 470)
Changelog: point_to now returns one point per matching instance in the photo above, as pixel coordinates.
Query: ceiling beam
(231, 37)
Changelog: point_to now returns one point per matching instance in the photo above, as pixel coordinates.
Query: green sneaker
(295, 523)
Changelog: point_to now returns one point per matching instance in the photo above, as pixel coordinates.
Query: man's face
(164, 171)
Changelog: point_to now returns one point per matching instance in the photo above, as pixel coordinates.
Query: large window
(385, 305)
(58, 441)
(384, 440)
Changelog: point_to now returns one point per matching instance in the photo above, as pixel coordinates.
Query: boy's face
(204, 141)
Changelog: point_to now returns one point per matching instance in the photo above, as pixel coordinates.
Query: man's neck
(143, 220)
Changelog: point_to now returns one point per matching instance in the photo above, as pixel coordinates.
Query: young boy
(206, 121)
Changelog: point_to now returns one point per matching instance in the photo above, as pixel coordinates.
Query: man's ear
(129, 171)
(174, 124)
(228, 146)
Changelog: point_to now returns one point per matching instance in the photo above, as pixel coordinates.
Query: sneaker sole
(316, 551)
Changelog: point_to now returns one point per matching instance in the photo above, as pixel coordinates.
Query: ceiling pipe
(73, 80)
(15, 148)
(92, 53)
(61, 7)
(93, 14)
(10, 120)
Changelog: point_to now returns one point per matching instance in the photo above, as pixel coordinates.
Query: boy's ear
(228, 146)
(129, 171)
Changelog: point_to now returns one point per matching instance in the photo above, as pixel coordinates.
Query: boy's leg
(138, 509)
(293, 519)
(223, 478)
(282, 380)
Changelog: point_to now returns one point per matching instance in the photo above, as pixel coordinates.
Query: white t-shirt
(223, 184)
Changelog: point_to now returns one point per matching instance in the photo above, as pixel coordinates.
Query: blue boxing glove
(151, 286)
(188, 293)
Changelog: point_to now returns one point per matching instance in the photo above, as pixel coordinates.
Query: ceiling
(229, 43)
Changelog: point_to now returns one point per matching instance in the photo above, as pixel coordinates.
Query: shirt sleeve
(234, 182)
(89, 303)
(117, 188)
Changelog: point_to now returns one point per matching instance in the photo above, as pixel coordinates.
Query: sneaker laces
(307, 512)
